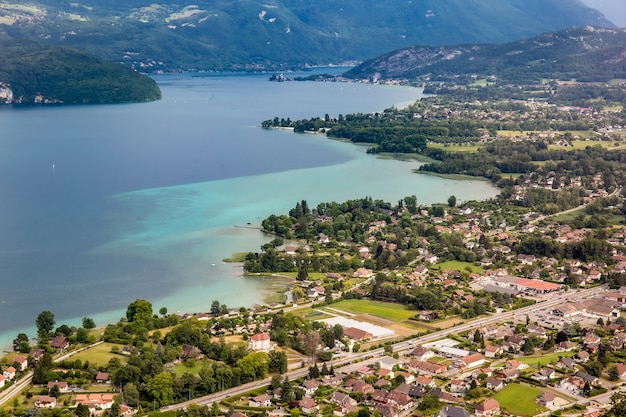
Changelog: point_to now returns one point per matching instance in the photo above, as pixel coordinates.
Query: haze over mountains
(249, 34)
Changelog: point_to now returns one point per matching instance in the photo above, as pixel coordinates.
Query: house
(422, 354)
(387, 362)
(101, 401)
(1, 381)
(9, 373)
(566, 363)
(21, 361)
(592, 380)
(424, 381)
(399, 400)
(310, 387)
(45, 401)
(357, 334)
(260, 342)
(547, 399)
(565, 346)
(470, 361)
(495, 384)
(190, 352)
(493, 351)
(342, 399)
(102, 377)
(36, 354)
(515, 364)
(308, 405)
(260, 401)
(488, 408)
(509, 374)
(59, 342)
(386, 410)
(452, 411)
(63, 386)
(426, 367)
(621, 370)
(428, 315)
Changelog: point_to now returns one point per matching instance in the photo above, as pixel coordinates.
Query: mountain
(585, 54)
(33, 72)
(274, 34)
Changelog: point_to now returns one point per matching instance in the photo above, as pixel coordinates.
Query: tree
(161, 388)
(88, 323)
(286, 393)
(594, 368)
(131, 394)
(45, 323)
(278, 362)
(618, 405)
(139, 310)
(452, 201)
(115, 410)
(312, 341)
(82, 410)
(613, 373)
(20, 343)
(163, 311)
(215, 307)
(55, 391)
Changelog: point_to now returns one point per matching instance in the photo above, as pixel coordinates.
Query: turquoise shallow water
(100, 205)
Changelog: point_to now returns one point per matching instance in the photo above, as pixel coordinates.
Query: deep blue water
(100, 205)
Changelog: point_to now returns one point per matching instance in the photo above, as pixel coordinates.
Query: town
(510, 306)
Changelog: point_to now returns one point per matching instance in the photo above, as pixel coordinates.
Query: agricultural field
(520, 400)
(311, 314)
(453, 147)
(388, 311)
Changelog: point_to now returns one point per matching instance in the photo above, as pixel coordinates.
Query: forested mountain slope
(584, 54)
(251, 34)
(33, 72)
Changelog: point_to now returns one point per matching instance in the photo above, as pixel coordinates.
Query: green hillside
(36, 72)
(251, 34)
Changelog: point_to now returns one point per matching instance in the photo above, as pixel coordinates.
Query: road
(22, 383)
(398, 347)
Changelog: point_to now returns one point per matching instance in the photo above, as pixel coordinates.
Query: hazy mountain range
(584, 54)
(276, 34)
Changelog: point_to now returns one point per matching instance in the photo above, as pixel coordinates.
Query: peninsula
(36, 73)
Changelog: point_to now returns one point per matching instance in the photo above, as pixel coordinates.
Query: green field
(520, 400)
(459, 266)
(311, 314)
(470, 147)
(100, 355)
(389, 311)
(182, 368)
(545, 359)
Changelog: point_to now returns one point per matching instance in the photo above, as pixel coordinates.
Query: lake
(103, 204)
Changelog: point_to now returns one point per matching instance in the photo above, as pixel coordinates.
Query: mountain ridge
(251, 34)
(588, 53)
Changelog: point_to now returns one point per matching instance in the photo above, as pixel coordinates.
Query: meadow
(520, 400)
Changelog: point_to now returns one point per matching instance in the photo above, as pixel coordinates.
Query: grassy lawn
(459, 266)
(520, 400)
(458, 177)
(311, 313)
(100, 354)
(389, 311)
(545, 359)
(182, 368)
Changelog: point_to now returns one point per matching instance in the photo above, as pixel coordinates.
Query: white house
(260, 342)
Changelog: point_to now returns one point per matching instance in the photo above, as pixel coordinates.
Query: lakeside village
(512, 306)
